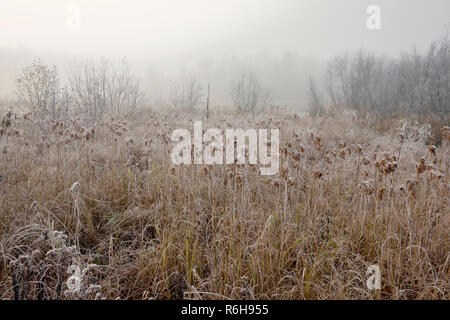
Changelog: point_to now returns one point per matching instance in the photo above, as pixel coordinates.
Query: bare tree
(316, 107)
(104, 87)
(38, 88)
(248, 95)
(337, 81)
(188, 95)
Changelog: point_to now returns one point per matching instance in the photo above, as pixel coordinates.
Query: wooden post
(207, 104)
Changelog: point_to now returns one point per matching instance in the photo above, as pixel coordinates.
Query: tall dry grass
(109, 200)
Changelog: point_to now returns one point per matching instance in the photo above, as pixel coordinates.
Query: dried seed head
(239, 180)
(358, 149)
(284, 171)
(317, 174)
(432, 150)
(381, 192)
(367, 187)
(412, 187)
(291, 181)
(420, 167)
(296, 156)
(317, 142)
(435, 174)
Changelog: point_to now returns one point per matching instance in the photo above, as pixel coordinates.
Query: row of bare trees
(247, 94)
(95, 88)
(188, 95)
(412, 83)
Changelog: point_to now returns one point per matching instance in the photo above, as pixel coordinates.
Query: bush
(104, 87)
(38, 88)
(248, 95)
(188, 95)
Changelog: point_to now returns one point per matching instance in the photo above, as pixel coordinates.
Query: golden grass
(346, 197)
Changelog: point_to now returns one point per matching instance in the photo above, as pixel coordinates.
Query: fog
(283, 41)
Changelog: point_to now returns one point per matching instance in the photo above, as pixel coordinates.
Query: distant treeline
(412, 84)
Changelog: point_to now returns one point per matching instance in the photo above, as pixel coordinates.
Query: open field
(110, 201)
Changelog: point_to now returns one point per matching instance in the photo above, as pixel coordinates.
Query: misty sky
(137, 28)
(176, 32)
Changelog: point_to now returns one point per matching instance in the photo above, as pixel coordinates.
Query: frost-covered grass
(346, 197)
